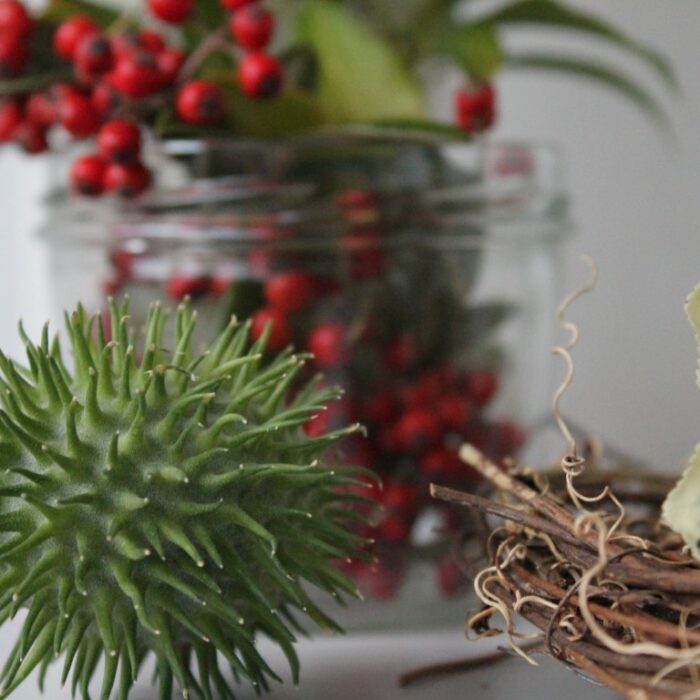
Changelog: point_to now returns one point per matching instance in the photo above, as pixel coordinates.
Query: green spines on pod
(162, 502)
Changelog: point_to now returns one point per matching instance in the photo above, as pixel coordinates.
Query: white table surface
(366, 667)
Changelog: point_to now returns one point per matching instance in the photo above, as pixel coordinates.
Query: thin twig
(461, 665)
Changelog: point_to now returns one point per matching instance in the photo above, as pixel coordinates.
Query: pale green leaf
(554, 14)
(361, 78)
(682, 506)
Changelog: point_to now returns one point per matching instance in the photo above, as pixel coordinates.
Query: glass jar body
(423, 280)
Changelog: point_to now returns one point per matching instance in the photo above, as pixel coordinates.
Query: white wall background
(637, 205)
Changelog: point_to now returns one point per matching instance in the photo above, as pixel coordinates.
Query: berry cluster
(418, 407)
(16, 26)
(116, 167)
(251, 27)
(124, 78)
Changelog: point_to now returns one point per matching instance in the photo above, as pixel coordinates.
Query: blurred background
(635, 202)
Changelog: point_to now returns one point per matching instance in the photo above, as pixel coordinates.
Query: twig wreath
(609, 587)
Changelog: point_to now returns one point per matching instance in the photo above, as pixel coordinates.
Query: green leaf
(477, 49)
(288, 114)
(360, 77)
(416, 130)
(59, 10)
(551, 13)
(594, 71)
(300, 68)
(32, 83)
(210, 12)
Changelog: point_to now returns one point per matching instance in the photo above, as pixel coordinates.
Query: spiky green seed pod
(163, 502)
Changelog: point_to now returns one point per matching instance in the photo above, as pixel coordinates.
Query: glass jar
(423, 277)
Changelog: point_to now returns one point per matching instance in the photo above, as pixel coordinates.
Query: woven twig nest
(609, 588)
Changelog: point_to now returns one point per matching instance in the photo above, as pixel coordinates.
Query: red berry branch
(194, 67)
(122, 78)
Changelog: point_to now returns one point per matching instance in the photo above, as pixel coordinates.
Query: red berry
(122, 262)
(383, 581)
(252, 27)
(416, 430)
(506, 437)
(111, 287)
(105, 99)
(279, 331)
(220, 285)
(379, 408)
(290, 291)
(234, 5)
(119, 141)
(365, 251)
(399, 496)
(78, 115)
(335, 416)
(87, 175)
(450, 577)
(481, 386)
(137, 75)
(455, 411)
(70, 33)
(260, 75)
(14, 18)
(14, 54)
(329, 345)
(173, 11)
(475, 107)
(358, 202)
(440, 463)
(169, 63)
(394, 529)
(11, 116)
(360, 451)
(127, 180)
(150, 40)
(31, 137)
(401, 352)
(41, 109)
(200, 102)
(180, 286)
(93, 56)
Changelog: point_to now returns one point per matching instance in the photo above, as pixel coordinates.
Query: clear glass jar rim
(472, 184)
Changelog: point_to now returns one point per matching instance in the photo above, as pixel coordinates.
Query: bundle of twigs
(586, 559)
(611, 589)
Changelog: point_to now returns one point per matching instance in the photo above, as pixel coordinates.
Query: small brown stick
(449, 495)
(616, 683)
(640, 621)
(504, 482)
(461, 665)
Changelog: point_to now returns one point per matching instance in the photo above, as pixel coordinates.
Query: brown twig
(459, 666)
(637, 593)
